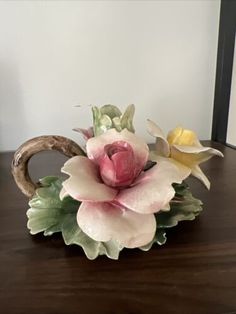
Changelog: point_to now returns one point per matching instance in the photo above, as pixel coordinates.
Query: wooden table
(194, 273)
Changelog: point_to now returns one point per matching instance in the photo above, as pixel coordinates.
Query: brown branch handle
(34, 146)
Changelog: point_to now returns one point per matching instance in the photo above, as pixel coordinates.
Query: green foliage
(49, 214)
(109, 116)
(183, 207)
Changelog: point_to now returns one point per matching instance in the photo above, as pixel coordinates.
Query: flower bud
(117, 166)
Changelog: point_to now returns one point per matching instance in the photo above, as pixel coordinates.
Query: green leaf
(159, 238)
(49, 214)
(111, 111)
(180, 189)
(72, 234)
(183, 207)
(109, 116)
(126, 120)
(101, 122)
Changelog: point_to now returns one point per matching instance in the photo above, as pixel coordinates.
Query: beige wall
(160, 55)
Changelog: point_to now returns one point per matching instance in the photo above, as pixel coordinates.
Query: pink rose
(118, 167)
(118, 198)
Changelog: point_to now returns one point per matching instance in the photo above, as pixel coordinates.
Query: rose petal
(117, 166)
(166, 207)
(107, 171)
(63, 193)
(86, 133)
(197, 172)
(126, 171)
(106, 221)
(119, 171)
(162, 146)
(95, 145)
(154, 190)
(193, 155)
(84, 182)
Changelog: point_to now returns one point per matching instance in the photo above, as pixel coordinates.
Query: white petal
(166, 207)
(154, 190)
(84, 182)
(197, 172)
(95, 145)
(63, 193)
(162, 146)
(198, 149)
(105, 222)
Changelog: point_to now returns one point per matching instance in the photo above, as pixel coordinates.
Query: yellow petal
(153, 156)
(181, 136)
(193, 155)
(197, 172)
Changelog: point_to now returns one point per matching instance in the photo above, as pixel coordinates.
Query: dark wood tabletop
(193, 273)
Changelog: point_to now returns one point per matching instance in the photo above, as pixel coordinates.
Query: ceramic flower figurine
(117, 194)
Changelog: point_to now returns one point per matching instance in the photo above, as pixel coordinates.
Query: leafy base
(49, 214)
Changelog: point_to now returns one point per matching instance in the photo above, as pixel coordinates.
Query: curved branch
(24, 153)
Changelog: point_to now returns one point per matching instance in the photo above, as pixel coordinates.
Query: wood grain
(194, 273)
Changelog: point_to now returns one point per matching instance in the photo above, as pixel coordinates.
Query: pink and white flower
(118, 197)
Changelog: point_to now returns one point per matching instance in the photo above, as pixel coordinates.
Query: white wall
(231, 132)
(159, 55)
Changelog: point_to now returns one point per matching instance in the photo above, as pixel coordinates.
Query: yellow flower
(183, 146)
